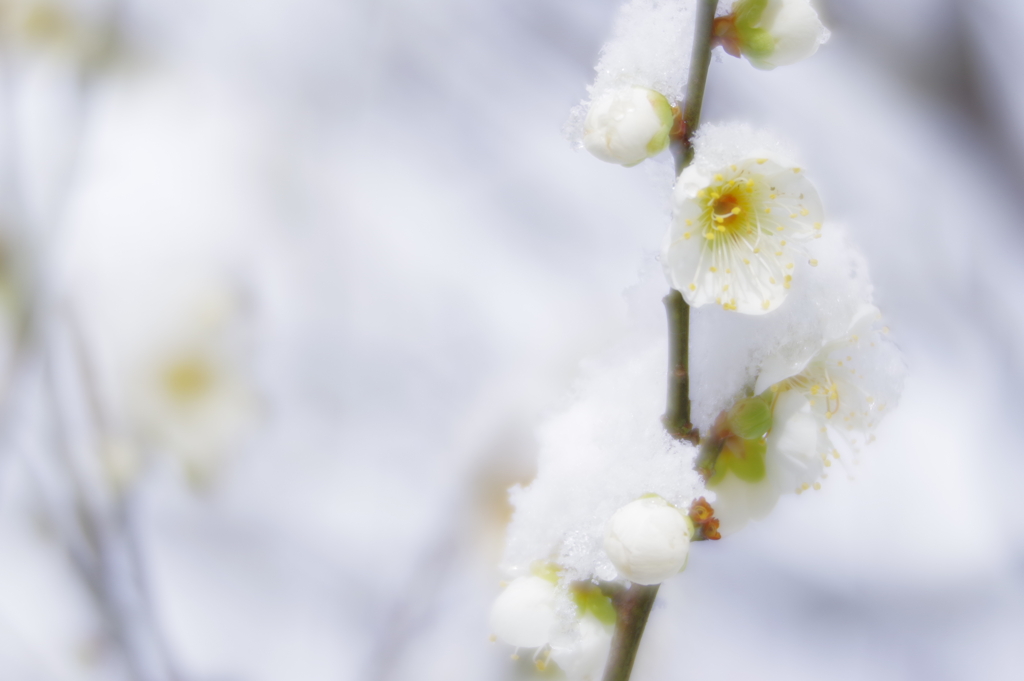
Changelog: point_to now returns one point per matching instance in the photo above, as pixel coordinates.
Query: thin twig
(677, 411)
(633, 606)
(700, 61)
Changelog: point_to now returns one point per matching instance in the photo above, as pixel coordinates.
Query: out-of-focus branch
(98, 531)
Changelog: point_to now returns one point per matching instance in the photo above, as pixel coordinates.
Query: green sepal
(751, 418)
(748, 466)
(755, 43)
(748, 12)
(666, 116)
(745, 458)
(590, 598)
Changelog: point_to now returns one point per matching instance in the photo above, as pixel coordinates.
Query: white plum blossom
(56, 29)
(648, 540)
(628, 125)
(842, 390)
(736, 233)
(524, 613)
(772, 33)
(534, 612)
(192, 396)
(792, 459)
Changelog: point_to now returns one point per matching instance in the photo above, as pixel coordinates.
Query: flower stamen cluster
(736, 234)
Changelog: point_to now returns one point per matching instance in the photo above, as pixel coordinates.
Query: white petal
(737, 502)
(523, 615)
(793, 457)
(797, 31)
(777, 368)
(796, 206)
(584, 659)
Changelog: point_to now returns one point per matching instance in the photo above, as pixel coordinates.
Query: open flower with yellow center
(783, 439)
(736, 234)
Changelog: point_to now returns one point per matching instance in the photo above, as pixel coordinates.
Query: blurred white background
(359, 219)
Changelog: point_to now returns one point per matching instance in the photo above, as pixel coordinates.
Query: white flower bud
(648, 540)
(524, 614)
(629, 125)
(794, 29)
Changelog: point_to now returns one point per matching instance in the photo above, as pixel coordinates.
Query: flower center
(188, 379)
(725, 208)
(728, 211)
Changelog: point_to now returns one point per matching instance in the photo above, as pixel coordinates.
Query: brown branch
(633, 606)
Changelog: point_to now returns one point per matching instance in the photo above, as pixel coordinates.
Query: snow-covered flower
(750, 474)
(850, 382)
(648, 540)
(628, 125)
(736, 233)
(771, 33)
(781, 440)
(533, 613)
(524, 613)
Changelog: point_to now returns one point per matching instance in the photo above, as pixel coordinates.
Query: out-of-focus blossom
(193, 396)
(648, 540)
(629, 125)
(735, 233)
(55, 28)
(771, 33)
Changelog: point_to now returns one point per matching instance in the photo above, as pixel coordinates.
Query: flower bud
(772, 33)
(629, 125)
(524, 614)
(648, 540)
